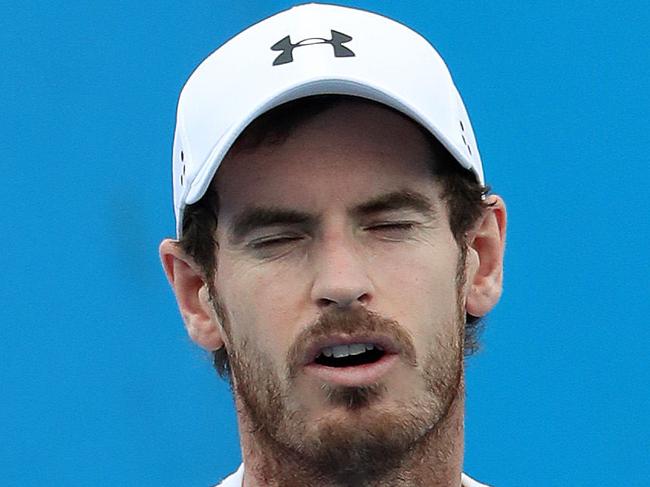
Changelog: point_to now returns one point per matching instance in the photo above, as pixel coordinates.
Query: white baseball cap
(309, 50)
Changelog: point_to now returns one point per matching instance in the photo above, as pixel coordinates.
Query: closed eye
(388, 226)
(395, 230)
(273, 241)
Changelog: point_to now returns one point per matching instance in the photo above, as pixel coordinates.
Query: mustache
(350, 321)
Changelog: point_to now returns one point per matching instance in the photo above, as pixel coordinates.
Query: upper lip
(386, 343)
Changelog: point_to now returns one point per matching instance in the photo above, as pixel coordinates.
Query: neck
(435, 460)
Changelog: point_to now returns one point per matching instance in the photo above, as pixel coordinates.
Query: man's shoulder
(467, 481)
(234, 480)
(237, 478)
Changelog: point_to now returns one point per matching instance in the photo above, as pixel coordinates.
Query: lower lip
(358, 375)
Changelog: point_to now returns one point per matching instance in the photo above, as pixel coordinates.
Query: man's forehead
(296, 137)
(351, 118)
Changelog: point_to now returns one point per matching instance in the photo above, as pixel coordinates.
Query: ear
(192, 295)
(485, 258)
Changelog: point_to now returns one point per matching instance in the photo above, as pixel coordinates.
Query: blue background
(101, 386)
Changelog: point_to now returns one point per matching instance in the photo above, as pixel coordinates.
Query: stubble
(375, 443)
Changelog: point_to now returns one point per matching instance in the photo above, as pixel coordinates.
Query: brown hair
(464, 196)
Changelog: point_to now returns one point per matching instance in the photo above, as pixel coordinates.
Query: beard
(361, 438)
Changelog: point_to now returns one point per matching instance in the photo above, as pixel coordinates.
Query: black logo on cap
(286, 46)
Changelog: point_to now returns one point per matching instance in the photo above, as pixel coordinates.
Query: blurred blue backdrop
(101, 386)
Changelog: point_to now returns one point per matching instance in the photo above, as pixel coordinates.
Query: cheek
(419, 288)
(262, 307)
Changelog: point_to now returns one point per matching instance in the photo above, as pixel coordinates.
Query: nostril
(343, 302)
(364, 298)
(326, 303)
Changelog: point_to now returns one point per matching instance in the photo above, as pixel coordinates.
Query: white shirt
(237, 480)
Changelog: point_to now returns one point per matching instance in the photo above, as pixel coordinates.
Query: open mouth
(351, 361)
(350, 355)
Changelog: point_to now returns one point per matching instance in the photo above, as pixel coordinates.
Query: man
(336, 247)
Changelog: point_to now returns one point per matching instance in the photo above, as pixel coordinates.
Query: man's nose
(341, 274)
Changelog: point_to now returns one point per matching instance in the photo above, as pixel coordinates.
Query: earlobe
(192, 296)
(209, 337)
(487, 245)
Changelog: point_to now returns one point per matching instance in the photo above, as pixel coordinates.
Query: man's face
(340, 284)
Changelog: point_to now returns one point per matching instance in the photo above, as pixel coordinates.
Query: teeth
(340, 351)
(357, 349)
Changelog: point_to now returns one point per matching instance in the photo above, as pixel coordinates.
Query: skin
(275, 280)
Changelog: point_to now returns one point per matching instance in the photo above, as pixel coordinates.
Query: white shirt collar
(237, 480)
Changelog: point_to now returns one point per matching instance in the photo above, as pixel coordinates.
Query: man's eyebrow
(258, 217)
(397, 200)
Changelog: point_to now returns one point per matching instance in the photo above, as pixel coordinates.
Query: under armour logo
(286, 46)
